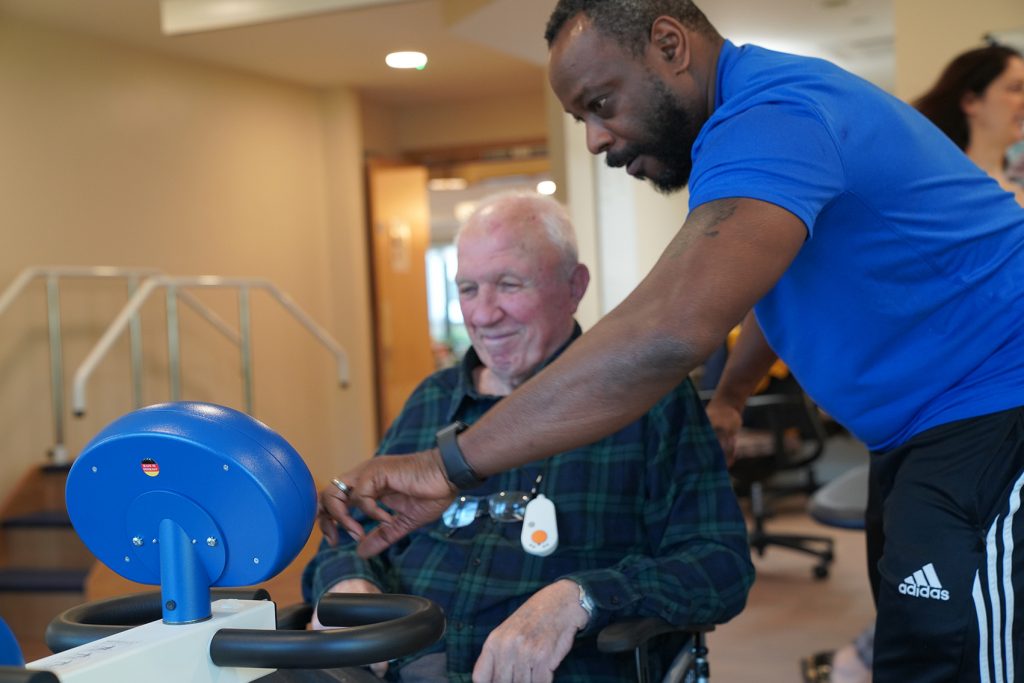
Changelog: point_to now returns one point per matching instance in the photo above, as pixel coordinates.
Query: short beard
(672, 132)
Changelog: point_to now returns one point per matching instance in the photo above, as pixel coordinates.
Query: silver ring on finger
(342, 486)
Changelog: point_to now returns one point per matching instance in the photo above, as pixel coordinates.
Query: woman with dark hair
(979, 103)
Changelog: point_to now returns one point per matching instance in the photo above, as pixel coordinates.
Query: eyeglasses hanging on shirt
(504, 506)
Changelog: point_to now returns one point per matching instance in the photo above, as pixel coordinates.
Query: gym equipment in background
(191, 496)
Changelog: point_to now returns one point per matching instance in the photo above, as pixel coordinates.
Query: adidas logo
(924, 583)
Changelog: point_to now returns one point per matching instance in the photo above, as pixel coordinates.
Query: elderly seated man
(647, 524)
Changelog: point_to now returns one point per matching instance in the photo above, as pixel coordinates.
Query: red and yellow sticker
(150, 467)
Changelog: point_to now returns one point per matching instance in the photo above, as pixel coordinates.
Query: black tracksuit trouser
(945, 538)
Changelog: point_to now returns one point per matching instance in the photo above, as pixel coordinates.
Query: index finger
(385, 535)
(338, 505)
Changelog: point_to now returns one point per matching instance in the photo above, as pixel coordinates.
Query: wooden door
(399, 221)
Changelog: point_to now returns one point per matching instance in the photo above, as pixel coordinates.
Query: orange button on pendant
(539, 536)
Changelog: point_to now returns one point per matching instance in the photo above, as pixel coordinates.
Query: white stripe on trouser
(979, 607)
(991, 560)
(998, 577)
(1008, 548)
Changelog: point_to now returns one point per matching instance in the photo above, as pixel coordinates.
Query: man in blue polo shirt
(882, 265)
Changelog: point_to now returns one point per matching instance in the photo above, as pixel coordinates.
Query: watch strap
(456, 468)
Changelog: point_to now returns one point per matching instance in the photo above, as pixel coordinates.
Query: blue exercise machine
(10, 653)
(191, 496)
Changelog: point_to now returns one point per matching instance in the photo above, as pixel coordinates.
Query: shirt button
(615, 599)
(476, 561)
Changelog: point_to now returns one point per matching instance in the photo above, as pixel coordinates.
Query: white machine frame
(163, 653)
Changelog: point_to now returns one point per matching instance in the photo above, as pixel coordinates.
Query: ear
(670, 44)
(969, 103)
(578, 281)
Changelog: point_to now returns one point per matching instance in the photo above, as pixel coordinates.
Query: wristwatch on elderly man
(458, 471)
(586, 602)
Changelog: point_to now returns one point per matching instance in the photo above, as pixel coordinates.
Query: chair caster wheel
(820, 572)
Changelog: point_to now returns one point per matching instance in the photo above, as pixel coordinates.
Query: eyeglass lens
(504, 506)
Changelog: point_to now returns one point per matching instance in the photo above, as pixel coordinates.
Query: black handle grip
(381, 627)
(94, 620)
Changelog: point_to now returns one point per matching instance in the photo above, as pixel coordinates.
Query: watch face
(586, 602)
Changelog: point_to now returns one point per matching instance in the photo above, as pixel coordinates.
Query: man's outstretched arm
(726, 256)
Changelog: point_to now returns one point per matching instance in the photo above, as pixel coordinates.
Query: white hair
(553, 217)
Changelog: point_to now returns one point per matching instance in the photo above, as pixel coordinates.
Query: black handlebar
(94, 620)
(379, 627)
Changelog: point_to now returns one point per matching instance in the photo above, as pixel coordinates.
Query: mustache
(620, 158)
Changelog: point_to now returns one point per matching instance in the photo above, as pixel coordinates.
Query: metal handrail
(173, 286)
(53, 275)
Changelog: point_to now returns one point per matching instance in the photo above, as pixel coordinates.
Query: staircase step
(28, 614)
(38, 519)
(40, 545)
(40, 488)
(36, 580)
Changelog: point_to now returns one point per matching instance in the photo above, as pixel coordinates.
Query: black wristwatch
(456, 468)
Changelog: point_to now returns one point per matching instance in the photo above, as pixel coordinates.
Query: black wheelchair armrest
(629, 634)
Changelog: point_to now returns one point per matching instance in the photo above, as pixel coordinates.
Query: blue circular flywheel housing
(10, 653)
(235, 487)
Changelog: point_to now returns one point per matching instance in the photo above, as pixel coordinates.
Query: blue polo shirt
(905, 307)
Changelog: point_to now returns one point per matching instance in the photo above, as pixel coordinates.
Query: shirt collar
(466, 391)
(726, 58)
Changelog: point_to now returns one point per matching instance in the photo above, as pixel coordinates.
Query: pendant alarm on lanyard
(540, 529)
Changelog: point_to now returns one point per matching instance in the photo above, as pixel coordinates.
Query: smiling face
(631, 114)
(517, 291)
(998, 113)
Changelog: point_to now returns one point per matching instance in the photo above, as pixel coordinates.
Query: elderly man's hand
(726, 420)
(352, 586)
(414, 487)
(529, 645)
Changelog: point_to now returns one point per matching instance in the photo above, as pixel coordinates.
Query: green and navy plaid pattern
(647, 522)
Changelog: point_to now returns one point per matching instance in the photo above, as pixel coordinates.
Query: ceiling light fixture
(406, 60)
(547, 187)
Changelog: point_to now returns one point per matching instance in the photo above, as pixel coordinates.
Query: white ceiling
(497, 50)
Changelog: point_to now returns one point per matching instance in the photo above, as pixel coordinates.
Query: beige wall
(116, 156)
(352, 417)
(929, 33)
(521, 115)
(379, 129)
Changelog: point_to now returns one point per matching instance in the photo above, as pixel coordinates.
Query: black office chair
(639, 636)
(783, 432)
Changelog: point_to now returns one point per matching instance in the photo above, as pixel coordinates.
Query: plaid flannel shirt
(647, 523)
